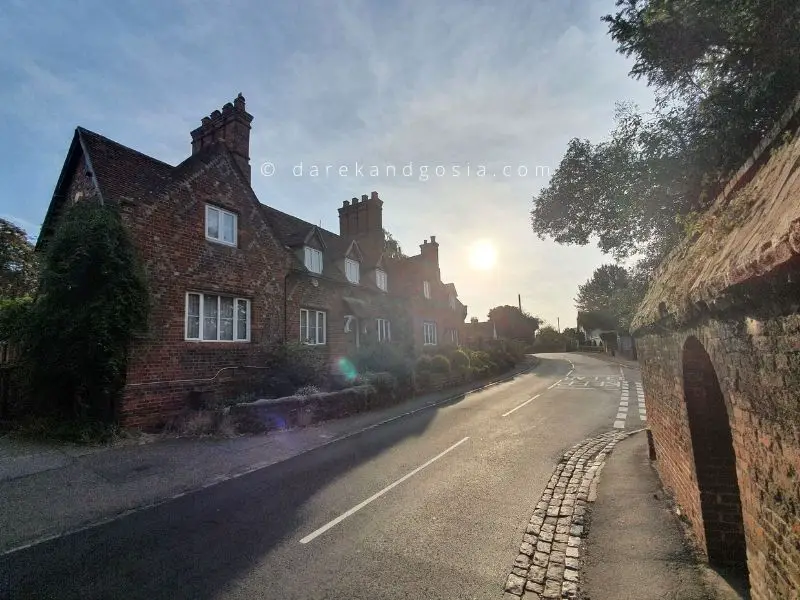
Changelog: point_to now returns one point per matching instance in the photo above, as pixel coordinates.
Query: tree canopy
(391, 247)
(611, 295)
(513, 323)
(723, 71)
(18, 267)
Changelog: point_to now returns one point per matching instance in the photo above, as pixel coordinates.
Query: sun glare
(482, 255)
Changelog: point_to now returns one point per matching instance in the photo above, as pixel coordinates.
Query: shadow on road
(196, 546)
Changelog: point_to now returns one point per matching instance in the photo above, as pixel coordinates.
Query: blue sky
(440, 83)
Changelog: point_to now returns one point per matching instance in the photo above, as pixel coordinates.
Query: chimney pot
(374, 196)
(433, 239)
(355, 200)
(364, 197)
(215, 115)
(345, 204)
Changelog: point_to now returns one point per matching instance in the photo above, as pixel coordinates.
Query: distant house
(593, 324)
(228, 276)
(476, 335)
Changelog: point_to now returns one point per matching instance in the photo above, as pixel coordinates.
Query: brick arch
(714, 460)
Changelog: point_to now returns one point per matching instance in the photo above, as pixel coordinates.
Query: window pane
(210, 317)
(193, 316)
(303, 325)
(226, 318)
(320, 327)
(312, 327)
(228, 227)
(212, 223)
(241, 320)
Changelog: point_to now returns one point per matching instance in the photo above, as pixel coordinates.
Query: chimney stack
(230, 127)
(363, 220)
(430, 254)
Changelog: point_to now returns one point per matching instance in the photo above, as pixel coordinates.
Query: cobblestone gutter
(548, 562)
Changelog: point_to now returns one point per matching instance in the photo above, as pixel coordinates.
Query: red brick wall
(169, 232)
(757, 364)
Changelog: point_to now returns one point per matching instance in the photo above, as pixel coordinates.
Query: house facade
(230, 277)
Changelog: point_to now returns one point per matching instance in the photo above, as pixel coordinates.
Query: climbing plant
(92, 300)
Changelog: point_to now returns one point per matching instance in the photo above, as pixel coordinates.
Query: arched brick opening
(714, 460)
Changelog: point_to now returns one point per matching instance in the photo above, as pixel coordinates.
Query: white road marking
(555, 384)
(622, 415)
(521, 405)
(357, 507)
(619, 424)
(624, 403)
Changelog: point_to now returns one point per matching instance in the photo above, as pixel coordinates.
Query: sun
(482, 255)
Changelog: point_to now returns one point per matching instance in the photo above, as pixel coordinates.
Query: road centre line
(521, 405)
(311, 536)
(555, 384)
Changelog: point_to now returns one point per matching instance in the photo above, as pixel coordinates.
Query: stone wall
(757, 365)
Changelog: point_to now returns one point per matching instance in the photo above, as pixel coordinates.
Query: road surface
(428, 506)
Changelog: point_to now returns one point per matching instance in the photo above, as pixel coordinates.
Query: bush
(384, 383)
(91, 303)
(459, 360)
(383, 358)
(440, 364)
(424, 364)
(14, 316)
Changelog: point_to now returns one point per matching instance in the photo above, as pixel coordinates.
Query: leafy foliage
(611, 296)
(391, 247)
(548, 339)
(92, 300)
(18, 264)
(512, 323)
(723, 71)
(14, 317)
(440, 364)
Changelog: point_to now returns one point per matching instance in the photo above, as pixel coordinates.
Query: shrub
(459, 360)
(424, 364)
(384, 383)
(383, 358)
(92, 301)
(440, 364)
(14, 316)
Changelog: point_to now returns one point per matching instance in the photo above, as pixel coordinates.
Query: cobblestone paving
(548, 562)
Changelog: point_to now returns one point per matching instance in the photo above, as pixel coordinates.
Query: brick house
(229, 276)
(718, 335)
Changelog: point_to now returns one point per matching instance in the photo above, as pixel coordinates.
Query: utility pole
(558, 320)
(519, 301)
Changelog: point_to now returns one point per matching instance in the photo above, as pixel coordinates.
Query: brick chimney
(231, 126)
(363, 220)
(430, 255)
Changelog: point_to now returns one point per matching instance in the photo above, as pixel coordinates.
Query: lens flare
(347, 369)
(482, 255)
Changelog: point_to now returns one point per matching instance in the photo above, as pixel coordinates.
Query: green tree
(548, 339)
(723, 71)
(614, 293)
(92, 300)
(391, 247)
(18, 266)
(512, 323)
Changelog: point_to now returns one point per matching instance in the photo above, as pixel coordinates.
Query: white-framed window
(384, 330)
(216, 318)
(381, 279)
(313, 260)
(453, 301)
(312, 326)
(429, 333)
(352, 270)
(454, 337)
(426, 289)
(221, 225)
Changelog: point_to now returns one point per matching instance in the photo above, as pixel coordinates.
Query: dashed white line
(521, 405)
(311, 536)
(555, 384)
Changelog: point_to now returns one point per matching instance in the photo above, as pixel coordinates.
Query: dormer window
(426, 289)
(381, 280)
(351, 270)
(313, 260)
(220, 226)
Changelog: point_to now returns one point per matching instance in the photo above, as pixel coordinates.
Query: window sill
(221, 243)
(196, 341)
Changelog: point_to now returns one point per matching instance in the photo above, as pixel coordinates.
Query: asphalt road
(432, 505)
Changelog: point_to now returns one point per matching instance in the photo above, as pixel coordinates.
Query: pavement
(429, 499)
